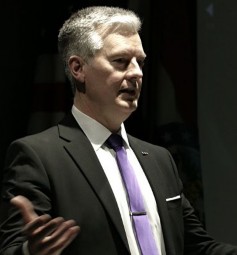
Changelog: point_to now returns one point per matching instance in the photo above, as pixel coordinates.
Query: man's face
(113, 78)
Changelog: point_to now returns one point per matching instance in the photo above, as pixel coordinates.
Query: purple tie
(137, 210)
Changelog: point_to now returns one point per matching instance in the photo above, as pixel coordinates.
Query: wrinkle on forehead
(125, 29)
(116, 43)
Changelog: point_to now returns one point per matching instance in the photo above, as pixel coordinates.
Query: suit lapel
(155, 177)
(80, 149)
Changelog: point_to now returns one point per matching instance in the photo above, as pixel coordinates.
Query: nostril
(134, 82)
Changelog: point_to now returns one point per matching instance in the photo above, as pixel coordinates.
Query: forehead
(116, 43)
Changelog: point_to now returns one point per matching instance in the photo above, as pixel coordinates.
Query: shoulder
(50, 135)
(158, 153)
(45, 136)
(30, 144)
(134, 141)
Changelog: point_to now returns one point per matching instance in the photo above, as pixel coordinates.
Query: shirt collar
(96, 132)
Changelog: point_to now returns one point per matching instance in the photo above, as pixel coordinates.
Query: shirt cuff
(25, 248)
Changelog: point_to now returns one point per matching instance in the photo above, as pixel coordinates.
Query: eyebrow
(128, 53)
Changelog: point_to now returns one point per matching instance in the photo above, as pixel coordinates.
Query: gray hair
(83, 33)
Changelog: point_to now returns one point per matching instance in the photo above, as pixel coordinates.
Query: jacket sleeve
(23, 175)
(197, 241)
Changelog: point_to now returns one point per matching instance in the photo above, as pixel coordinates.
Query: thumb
(26, 208)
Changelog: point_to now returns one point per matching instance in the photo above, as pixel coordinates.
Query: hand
(46, 236)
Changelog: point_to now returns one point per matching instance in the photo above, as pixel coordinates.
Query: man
(63, 187)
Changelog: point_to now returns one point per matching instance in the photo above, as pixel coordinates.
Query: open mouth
(129, 91)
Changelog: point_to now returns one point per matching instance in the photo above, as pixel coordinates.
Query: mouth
(128, 91)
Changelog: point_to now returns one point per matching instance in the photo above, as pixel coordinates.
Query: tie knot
(115, 141)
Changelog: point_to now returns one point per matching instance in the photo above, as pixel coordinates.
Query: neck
(112, 123)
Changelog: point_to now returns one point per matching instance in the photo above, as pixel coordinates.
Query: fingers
(64, 240)
(45, 235)
(37, 225)
(26, 208)
(63, 231)
(43, 226)
(53, 237)
(62, 236)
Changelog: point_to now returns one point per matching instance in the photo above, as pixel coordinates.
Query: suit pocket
(173, 202)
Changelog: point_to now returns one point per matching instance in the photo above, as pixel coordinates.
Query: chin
(129, 108)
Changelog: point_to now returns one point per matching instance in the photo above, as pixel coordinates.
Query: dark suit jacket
(59, 172)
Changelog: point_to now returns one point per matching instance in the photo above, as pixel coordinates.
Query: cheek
(99, 76)
(94, 79)
(105, 79)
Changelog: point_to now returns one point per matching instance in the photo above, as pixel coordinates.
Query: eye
(121, 60)
(121, 63)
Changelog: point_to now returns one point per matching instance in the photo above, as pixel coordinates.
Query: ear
(75, 64)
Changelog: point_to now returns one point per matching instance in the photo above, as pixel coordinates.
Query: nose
(134, 70)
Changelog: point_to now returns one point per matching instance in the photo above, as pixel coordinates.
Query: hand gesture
(46, 236)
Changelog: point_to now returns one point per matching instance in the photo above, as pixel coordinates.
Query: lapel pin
(144, 153)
